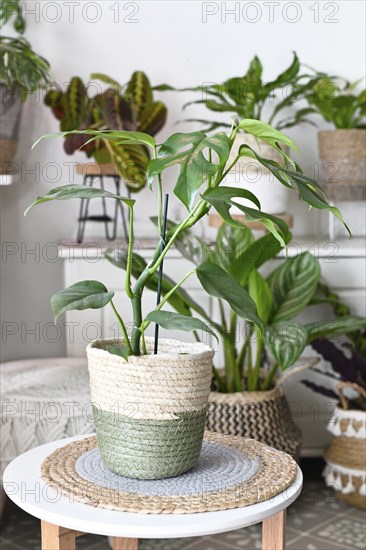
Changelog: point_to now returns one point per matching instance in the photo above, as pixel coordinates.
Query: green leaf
(343, 325)
(286, 342)
(260, 292)
(83, 295)
(256, 254)
(189, 150)
(153, 119)
(121, 351)
(67, 192)
(309, 190)
(139, 93)
(176, 321)
(219, 284)
(293, 284)
(221, 198)
(230, 246)
(180, 300)
(118, 136)
(266, 133)
(106, 80)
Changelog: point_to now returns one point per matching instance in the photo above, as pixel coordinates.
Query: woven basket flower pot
(346, 456)
(262, 415)
(150, 412)
(342, 153)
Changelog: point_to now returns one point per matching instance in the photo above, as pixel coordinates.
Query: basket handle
(342, 385)
(303, 364)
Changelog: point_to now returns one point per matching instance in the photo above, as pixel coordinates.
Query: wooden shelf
(214, 220)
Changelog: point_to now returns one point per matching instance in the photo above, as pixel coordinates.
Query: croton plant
(203, 165)
(130, 107)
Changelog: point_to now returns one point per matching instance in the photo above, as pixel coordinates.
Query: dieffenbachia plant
(250, 96)
(203, 165)
(131, 107)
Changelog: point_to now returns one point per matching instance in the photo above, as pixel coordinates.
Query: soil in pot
(150, 412)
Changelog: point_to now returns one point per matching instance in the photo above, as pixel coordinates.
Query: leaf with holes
(190, 152)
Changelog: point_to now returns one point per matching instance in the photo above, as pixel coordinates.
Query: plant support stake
(162, 239)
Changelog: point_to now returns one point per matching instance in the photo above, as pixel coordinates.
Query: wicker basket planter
(10, 112)
(346, 456)
(150, 412)
(342, 153)
(263, 415)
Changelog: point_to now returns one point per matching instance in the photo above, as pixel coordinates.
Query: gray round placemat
(219, 467)
(266, 472)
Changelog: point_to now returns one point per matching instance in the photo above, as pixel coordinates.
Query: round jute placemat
(232, 472)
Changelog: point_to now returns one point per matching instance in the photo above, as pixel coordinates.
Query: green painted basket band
(149, 449)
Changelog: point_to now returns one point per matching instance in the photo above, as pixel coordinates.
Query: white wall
(170, 41)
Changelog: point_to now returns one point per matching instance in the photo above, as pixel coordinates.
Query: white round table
(64, 519)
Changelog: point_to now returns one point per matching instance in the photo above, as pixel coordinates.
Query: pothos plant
(202, 162)
(250, 96)
(130, 107)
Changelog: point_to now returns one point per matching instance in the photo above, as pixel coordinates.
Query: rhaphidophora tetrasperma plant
(203, 163)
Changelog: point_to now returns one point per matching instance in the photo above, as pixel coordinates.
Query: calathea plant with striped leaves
(129, 107)
(202, 162)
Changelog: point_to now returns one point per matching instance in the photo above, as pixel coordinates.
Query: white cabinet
(343, 267)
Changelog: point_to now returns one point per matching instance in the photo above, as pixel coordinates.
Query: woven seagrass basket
(150, 412)
(262, 415)
(346, 456)
(342, 153)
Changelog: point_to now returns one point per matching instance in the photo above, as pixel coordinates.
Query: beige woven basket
(150, 412)
(346, 456)
(343, 156)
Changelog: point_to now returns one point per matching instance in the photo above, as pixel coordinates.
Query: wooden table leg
(274, 532)
(119, 543)
(57, 538)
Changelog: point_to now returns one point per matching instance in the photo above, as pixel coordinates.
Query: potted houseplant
(22, 73)
(342, 149)
(129, 107)
(249, 96)
(345, 383)
(169, 389)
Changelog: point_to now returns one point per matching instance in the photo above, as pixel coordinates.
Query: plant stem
(137, 320)
(160, 198)
(222, 315)
(145, 324)
(267, 383)
(129, 292)
(123, 328)
(258, 362)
